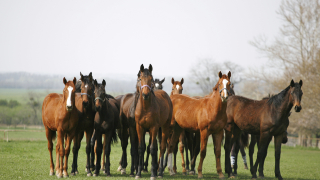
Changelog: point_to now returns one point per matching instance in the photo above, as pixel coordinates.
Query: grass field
(30, 160)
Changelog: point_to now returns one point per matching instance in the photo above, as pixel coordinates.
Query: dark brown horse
(105, 122)
(85, 108)
(267, 118)
(153, 110)
(206, 115)
(59, 114)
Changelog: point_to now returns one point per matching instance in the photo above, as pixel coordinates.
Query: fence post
(7, 136)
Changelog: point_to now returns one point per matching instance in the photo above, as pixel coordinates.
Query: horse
(206, 115)
(59, 114)
(105, 122)
(267, 118)
(84, 105)
(158, 84)
(153, 110)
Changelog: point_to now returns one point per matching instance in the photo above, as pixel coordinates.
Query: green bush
(3, 102)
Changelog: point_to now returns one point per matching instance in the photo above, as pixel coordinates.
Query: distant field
(30, 160)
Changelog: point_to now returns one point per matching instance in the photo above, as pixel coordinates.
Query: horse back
(246, 113)
(115, 105)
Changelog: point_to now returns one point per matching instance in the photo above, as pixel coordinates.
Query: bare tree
(295, 54)
(205, 73)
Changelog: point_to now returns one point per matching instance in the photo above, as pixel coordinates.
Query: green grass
(30, 160)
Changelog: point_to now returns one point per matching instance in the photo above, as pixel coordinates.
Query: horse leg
(98, 153)
(70, 136)
(108, 138)
(217, 139)
(154, 151)
(60, 152)
(147, 157)
(234, 156)
(92, 150)
(174, 139)
(103, 162)
(133, 150)
(262, 152)
(203, 141)
(244, 156)
(141, 136)
(175, 151)
(186, 146)
(181, 148)
(124, 144)
(196, 151)
(75, 151)
(88, 149)
(251, 149)
(165, 132)
(50, 135)
(277, 143)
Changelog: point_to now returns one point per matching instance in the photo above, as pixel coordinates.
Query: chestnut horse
(267, 118)
(153, 110)
(59, 114)
(105, 122)
(84, 104)
(206, 115)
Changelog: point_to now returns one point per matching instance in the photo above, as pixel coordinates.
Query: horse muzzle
(98, 108)
(69, 108)
(224, 99)
(85, 103)
(145, 96)
(297, 108)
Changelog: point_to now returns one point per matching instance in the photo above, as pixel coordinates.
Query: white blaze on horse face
(86, 86)
(69, 96)
(157, 85)
(177, 86)
(224, 82)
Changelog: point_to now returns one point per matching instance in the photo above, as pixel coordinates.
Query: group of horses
(84, 106)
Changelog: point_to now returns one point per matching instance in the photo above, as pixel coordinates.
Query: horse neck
(285, 107)
(215, 100)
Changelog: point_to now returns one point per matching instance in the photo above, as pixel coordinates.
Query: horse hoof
(137, 177)
(200, 177)
(131, 175)
(119, 168)
(261, 177)
(160, 177)
(123, 171)
(109, 175)
(65, 176)
(153, 178)
(89, 174)
(191, 173)
(94, 175)
(76, 172)
(184, 173)
(51, 174)
(72, 174)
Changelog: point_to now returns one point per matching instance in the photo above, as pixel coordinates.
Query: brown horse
(153, 110)
(59, 114)
(105, 122)
(86, 113)
(206, 115)
(185, 138)
(267, 118)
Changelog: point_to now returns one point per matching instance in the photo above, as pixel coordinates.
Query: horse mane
(277, 99)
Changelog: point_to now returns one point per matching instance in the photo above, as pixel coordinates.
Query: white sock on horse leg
(232, 160)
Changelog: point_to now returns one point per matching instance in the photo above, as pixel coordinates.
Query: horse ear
(90, 76)
(150, 68)
(74, 80)
(141, 68)
(81, 76)
(181, 81)
(95, 83)
(138, 74)
(292, 83)
(163, 80)
(300, 82)
(229, 74)
(64, 81)
(172, 81)
(220, 74)
(103, 82)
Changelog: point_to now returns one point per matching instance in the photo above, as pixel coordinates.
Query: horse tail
(114, 138)
(54, 135)
(244, 140)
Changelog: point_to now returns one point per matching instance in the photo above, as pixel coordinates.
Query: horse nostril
(145, 96)
(297, 108)
(85, 103)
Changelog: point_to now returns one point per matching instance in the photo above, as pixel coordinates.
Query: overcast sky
(116, 37)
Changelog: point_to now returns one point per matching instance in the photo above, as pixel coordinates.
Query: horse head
(158, 84)
(146, 81)
(87, 89)
(99, 94)
(69, 93)
(177, 86)
(224, 86)
(296, 95)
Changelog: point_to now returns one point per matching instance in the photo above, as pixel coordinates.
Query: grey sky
(116, 37)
